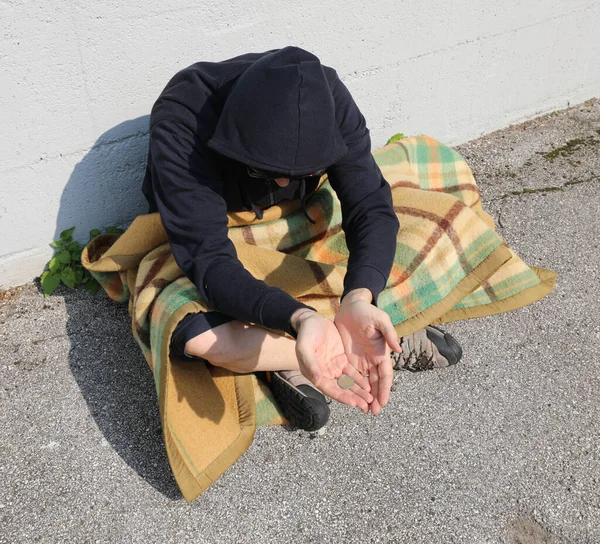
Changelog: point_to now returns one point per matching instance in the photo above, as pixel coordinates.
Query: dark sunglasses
(268, 176)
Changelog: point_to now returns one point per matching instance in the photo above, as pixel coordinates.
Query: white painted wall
(78, 79)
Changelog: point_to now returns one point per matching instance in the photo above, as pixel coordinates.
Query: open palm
(366, 332)
(322, 360)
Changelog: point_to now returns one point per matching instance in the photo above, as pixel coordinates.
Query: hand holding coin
(322, 360)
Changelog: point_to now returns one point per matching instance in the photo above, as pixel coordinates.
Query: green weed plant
(395, 138)
(66, 268)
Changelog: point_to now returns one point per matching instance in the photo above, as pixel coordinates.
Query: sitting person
(248, 133)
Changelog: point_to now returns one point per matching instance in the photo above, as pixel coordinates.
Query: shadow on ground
(105, 360)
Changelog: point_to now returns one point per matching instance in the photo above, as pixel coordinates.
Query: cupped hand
(322, 360)
(366, 332)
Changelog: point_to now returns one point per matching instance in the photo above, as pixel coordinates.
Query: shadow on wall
(105, 186)
(108, 366)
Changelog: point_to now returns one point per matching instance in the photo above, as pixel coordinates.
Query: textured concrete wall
(78, 80)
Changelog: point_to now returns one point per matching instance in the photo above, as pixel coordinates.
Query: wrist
(361, 294)
(299, 316)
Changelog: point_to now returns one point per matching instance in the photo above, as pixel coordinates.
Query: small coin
(345, 382)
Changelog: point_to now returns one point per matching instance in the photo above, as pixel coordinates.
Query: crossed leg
(244, 348)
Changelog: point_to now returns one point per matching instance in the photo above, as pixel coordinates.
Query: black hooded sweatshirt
(282, 112)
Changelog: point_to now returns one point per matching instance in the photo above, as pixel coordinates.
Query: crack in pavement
(551, 189)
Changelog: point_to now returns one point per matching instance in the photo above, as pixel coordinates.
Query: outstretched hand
(322, 360)
(366, 332)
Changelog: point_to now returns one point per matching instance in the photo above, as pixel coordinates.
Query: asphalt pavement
(505, 447)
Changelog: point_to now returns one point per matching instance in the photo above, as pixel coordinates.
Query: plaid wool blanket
(450, 264)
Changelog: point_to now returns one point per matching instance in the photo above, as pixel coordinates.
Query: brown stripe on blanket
(141, 333)
(154, 270)
(462, 259)
(323, 283)
(459, 187)
(404, 183)
(319, 236)
(160, 284)
(321, 278)
(248, 235)
(442, 224)
(487, 287)
(448, 189)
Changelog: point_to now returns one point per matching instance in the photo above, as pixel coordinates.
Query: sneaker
(427, 349)
(300, 401)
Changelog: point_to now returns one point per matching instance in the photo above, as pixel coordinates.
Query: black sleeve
(187, 187)
(368, 216)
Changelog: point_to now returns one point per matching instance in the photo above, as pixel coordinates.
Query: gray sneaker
(427, 349)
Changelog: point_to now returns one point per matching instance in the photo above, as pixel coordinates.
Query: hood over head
(280, 116)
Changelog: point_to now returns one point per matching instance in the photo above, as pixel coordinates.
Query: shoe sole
(300, 409)
(445, 343)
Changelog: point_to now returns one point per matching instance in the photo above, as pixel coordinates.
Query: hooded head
(280, 116)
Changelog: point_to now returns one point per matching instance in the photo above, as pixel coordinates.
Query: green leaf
(86, 278)
(94, 233)
(64, 256)
(113, 230)
(79, 273)
(395, 138)
(73, 246)
(57, 243)
(66, 235)
(49, 283)
(92, 286)
(53, 265)
(68, 277)
(76, 256)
